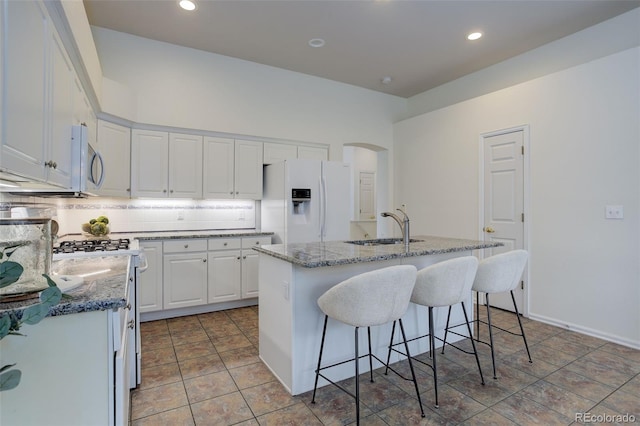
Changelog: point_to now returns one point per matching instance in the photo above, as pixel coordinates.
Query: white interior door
(367, 196)
(504, 201)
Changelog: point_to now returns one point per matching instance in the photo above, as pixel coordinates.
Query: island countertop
(333, 253)
(103, 286)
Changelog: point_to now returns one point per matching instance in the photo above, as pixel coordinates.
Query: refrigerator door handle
(323, 208)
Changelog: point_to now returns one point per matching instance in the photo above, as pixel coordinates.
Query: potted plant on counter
(12, 320)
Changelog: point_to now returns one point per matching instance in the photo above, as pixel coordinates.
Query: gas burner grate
(74, 246)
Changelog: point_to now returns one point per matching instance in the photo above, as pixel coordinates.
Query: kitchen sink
(381, 241)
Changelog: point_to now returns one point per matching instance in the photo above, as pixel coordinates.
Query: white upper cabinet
(248, 170)
(232, 168)
(25, 32)
(149, 163)
(185, 166)
(165, 165)
(114, 144)
(62, 90)
(275, 152)
(313, 153)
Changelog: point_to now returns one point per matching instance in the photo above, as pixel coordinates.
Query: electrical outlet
(614, 212)
(180, 214)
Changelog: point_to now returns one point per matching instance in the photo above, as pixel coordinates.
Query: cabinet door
(313, 153)
(185, 280)
(274, 152)
(218, 168)
(250, 263)
(185, 166)
(149, 163)
(248, 170)
(25, 36)
(150, 283)
(114, 144)
(224, 276)
(62, 90)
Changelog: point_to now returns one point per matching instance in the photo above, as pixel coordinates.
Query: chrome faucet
(402, 223)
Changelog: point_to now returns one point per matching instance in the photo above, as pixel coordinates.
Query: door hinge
(522, 217)
(522, 149)
(521, 285)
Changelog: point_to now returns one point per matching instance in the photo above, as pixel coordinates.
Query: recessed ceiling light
(187, 5)
(386, 80)
(316, 42)
(474, 36)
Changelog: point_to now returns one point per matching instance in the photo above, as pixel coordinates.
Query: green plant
(11, 321)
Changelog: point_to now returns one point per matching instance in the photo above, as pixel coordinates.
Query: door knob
(489, 230)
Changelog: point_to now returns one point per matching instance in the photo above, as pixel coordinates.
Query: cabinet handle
(51, 164)
(204, 260)
(238, 257)
(225, 244)
(231, 193)
(171, 191)
(237, 192)
(128, 189)
(131, 324)
(164, 190)
(186, 246)
(244, 257)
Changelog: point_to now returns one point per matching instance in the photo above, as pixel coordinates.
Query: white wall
(176, 86)
(584, 154)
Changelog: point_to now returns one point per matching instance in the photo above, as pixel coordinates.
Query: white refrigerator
(306, 201)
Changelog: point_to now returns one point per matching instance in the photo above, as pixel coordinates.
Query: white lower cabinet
(150, 283)
(184, 273)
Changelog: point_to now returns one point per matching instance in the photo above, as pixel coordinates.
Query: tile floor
(205, 370)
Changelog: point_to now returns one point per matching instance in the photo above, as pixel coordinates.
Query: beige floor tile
(556, 398)
(194, 350)
(251, 375)
(239, 357)
(524, 411)
(221, 330)
(224, 410)
(160, 375)
(145, 402)
(158, 356)
(297, 414)
(209, 386)
(176, 417)
(579, 384)
(268, 397)
(200, 366)
(223, 344)
(488, 418)
(183, 337)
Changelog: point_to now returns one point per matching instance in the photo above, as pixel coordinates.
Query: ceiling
(419, 44)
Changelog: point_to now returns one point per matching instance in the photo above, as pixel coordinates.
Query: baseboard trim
(194, 310)
(586, 330)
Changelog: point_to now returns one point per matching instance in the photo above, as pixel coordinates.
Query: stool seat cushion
(500, 273)
(445, 283)
(372, 298)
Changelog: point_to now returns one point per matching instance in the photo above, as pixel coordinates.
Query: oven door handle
(144, 264)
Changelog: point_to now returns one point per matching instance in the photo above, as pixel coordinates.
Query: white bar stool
(369, 299)
(444, 284)
(498, 274)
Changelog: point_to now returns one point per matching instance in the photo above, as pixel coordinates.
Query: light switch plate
(614, 212)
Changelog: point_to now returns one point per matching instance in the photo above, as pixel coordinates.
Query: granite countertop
(104, 286)
(333, 253)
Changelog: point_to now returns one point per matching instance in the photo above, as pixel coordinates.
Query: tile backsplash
(142, 215)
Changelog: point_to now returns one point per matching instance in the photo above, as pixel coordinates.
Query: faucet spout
(402, 223)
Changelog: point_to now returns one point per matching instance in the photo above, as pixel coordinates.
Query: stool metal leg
(393, 330)
(315, 386)
(432, 345)
(475, 350)
(370, 357)
(446, 330)
(520, 324)
(493, 357)
(357, 380)
(413, 374)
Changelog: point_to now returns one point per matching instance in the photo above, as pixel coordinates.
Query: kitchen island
(294, 276)
(75, 362)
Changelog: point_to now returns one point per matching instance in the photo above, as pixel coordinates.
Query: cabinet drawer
(248, 242)
(224, 243)
(185, 246)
